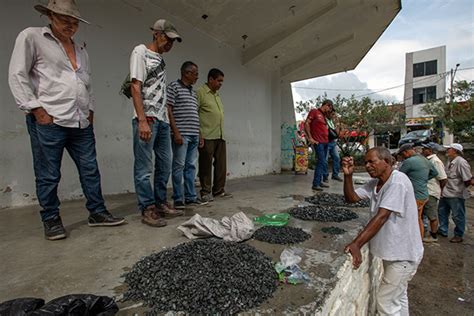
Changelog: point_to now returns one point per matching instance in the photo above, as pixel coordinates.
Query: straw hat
(64, 7)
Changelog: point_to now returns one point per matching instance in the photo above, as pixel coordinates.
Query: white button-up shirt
(41, 75)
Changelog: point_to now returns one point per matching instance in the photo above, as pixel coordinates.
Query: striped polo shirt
(183, 101)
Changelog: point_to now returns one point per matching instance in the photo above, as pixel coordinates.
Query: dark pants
(212, 154)
(457, 208)
(48, 143)
(321, 151)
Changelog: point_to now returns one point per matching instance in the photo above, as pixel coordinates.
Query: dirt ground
(444, 282)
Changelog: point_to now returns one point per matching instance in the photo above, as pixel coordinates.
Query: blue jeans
(336, 160)
(321, 151)
(160, 144)
(184, 165)
(48, 143)
(458, 209)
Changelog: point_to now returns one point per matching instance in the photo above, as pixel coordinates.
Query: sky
(421, 24)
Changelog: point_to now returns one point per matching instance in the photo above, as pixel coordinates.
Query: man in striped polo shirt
(184, 121)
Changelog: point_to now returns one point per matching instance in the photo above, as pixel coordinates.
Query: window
(425, 69)
(424, 95)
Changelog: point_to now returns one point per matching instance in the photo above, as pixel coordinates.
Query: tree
(457, 116)
(358, 119)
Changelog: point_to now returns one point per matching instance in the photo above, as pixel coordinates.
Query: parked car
(416, 137)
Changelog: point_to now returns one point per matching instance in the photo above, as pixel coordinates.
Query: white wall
(251, 98)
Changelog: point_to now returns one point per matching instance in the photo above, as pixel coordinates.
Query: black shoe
(325, 179)
(442, 235)
(338, 178)
(197, 202)
(54, 229)
(179, 205)
(316, 188)
(104, 219)
(324, 185)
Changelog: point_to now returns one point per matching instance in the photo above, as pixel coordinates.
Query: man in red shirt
(317, 134)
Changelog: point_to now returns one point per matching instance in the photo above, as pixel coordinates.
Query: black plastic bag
(69, 305)
(20, 306)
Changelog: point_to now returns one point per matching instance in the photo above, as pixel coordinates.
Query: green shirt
(211, 113)
(419, 170)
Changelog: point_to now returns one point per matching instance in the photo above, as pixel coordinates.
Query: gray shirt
(458, 171)
(399, 238)
(41, 75)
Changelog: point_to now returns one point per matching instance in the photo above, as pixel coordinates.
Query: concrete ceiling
(300, 38)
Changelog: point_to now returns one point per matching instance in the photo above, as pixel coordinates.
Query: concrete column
(288, 125)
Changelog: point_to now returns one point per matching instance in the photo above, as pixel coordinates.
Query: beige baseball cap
(168, 28)
(64, 7)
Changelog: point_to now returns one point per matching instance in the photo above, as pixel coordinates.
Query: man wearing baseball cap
(455, 193)
(151, 125)
(49, 76)
(419, 170)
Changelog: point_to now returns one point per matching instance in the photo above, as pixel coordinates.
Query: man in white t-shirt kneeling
(392, 232)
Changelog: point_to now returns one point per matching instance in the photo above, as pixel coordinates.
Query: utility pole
(451, 92)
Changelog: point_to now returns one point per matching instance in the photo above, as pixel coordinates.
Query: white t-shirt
(148, 67)
(434, 189)
(399, 238)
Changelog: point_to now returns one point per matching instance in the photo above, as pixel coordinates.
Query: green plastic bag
(280, 219)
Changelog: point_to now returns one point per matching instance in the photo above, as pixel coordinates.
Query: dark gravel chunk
(281, 235)
(203, 277)
(322, 213)
(333, 199)
(333, 230)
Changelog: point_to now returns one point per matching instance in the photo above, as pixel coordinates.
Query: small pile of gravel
(322, 213)
(333, 230)
(281, 235)
(203, 277)
(333, 199)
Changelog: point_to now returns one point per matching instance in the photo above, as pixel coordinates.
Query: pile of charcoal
(281, 235)
(333, 199)
(203, 277)
(323, 213)
(333, 230)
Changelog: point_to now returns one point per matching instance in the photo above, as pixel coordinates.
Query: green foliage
(458, 115)
(360, 117)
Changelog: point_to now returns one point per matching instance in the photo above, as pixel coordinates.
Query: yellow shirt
(211, 113)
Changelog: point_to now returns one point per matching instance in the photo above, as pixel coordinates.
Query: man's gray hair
(186, 66)
(382, 153)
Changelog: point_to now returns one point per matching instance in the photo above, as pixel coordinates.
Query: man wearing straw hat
(49, 76)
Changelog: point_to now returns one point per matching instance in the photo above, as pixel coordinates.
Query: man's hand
(348, 165)
(144, 131)
(312, 141)
(42, 117)
(90, 118)
(201, 142)
(354, 250)
(178, 139)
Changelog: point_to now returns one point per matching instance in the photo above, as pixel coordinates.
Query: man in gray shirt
(454, 194)
(392, 231)
(49, 76)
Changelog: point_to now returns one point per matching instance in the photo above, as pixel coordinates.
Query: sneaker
(325, 179)
(179, 205)
(166, 211)
(54, 229)
(223, 194)
(338, 178)
(316, 188)
(105, 219)
(442, 235)
(430, 239)
(456, 239)
(197, 202)
(151, 217)
(207, 198)
(324, 185)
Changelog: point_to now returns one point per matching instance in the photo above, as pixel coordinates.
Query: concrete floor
(92, 260)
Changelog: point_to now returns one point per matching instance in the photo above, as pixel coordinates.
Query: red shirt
(318, 126)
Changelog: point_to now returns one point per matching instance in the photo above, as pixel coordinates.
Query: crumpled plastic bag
(238, 227)
(288, 269)
(279, 220)
(68, 305)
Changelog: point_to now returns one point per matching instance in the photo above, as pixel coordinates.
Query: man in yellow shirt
(212, 146)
